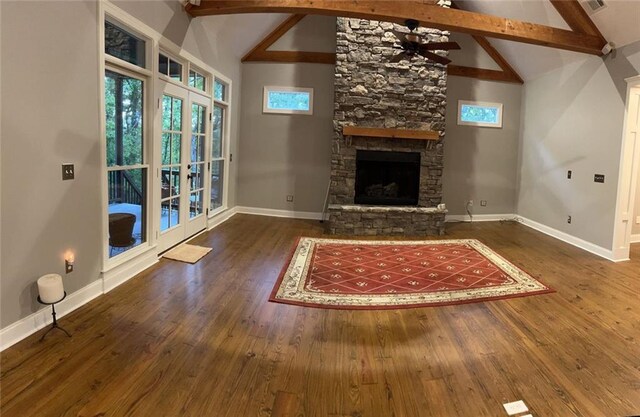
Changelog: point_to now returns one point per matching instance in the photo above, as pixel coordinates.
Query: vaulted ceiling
(618, 22)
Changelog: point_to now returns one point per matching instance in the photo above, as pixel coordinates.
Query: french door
(182, 175)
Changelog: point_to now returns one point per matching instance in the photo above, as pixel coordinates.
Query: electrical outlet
(569, 219)
(290, 199)
(598, 178)
(68, 172)
(569, 174)
(483, 203)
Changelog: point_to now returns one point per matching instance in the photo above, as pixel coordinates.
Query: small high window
(288, 100)
(123, 45)
(477, 113)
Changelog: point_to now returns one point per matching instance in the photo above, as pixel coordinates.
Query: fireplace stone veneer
(371, 92)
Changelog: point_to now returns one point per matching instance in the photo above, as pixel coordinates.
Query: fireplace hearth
(387, 178)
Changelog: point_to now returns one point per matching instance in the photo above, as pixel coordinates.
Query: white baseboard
(19, 330)
(123, 273)
(635, 238)
(479, 217)
(25, 327)
(220, 218)
(572, 240)
(308, 215)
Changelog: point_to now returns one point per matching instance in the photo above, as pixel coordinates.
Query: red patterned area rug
(370, 274)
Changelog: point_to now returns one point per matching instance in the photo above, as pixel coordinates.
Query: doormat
(187, 253)
(370, 274)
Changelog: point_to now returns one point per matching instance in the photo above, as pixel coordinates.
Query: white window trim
(108, 62)
(271, 88)
(156, 43)
(499, 106)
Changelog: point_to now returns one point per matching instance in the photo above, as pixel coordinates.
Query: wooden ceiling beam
(511, 74)
(292, 56)
(260, 52)
(577, 18)
(272, 37)
(427, 14)
(482, 74)
(506, 74)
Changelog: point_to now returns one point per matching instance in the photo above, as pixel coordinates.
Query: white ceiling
(619, 22)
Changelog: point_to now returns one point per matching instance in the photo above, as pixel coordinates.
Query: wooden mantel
(390, 133)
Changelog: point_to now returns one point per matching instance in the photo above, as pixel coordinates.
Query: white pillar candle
(50, 288)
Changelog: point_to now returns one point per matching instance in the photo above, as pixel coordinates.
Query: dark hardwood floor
(202, 340)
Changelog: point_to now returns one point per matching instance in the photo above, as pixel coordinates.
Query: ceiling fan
(413, 44)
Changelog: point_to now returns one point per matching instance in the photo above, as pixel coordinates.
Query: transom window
(170, 67)
(219, 90)
(124, 45)
(197, 80)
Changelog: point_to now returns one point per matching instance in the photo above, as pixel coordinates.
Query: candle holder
(53, 313)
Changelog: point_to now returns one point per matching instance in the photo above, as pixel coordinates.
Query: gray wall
(284, 155)
(480, 163)
(573, 120)
(50, 115)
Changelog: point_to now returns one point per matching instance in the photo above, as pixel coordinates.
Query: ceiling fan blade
(399, 57)
(434, 57)
(440, 46)
(402, 37)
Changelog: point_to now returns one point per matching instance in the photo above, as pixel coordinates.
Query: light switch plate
(68, 172)
(515, 407)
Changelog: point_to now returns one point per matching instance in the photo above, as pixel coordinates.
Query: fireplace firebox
(387, 178)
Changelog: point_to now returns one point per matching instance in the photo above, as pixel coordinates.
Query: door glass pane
(165, 151)
(170, 213)
(218, 123)
(127, 209)
(175, 181)
(197, 148)
(196, 176)
(217, 181)
(124, 119)
(167, 102)
(171, 149)
(196, 204)
(177, 115)
(198, 115)
(176, 145)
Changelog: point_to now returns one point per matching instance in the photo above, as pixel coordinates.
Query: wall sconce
(69, 259)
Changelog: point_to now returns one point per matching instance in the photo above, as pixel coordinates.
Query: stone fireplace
(386, 185)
